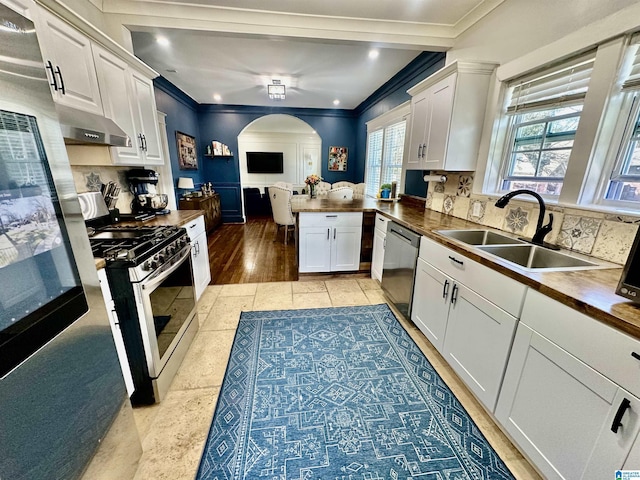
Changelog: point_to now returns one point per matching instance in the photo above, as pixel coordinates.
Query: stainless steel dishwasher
(398, 270)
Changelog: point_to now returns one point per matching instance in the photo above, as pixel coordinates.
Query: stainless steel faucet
(541, 230)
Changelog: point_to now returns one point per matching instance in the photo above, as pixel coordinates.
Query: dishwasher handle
(404, 234)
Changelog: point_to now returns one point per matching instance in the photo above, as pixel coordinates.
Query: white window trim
(395, 115)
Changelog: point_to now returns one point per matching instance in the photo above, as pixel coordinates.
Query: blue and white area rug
(338, 394)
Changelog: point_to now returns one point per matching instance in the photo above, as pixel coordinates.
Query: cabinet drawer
(331, 219)
(495, 287)
(195, 227)
(381, 223)
(603, 348)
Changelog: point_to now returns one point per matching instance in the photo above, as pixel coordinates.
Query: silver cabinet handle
(334, 233)
(424, 150)
(328, 230)
(419, 151)
(62, 89)
(445, 289)
(454, 294)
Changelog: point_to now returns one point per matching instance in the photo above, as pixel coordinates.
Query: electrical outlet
(476, 211)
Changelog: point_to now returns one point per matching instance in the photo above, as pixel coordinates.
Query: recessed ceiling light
(172, 70)
(164, 41)
(374, 53)
(217, 97)
(336, 102)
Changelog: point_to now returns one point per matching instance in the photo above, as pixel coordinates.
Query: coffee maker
(143, 186)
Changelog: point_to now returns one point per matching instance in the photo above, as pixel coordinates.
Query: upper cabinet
(447, 113)
(69, 62)
(128, 99)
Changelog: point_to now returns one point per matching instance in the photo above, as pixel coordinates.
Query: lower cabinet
(199, 255)
(329, 242)
(379, 236)
(472, 331)
(568, 418)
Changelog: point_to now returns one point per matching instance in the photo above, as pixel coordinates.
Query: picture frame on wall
(187, 155)
(338, 159)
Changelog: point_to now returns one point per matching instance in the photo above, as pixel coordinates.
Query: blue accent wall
(182, 116)
(342, 128)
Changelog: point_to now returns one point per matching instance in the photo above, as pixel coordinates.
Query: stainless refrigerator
(61, 389)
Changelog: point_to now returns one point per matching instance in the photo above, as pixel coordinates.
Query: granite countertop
(591, 292)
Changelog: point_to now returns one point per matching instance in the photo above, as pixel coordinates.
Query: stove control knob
(161, 258)
(147, 266)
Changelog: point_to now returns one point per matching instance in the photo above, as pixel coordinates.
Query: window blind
(393, 149)
(632, 81)
(554, 87)
(374, 162)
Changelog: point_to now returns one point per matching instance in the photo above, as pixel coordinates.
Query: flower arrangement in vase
(312, 180)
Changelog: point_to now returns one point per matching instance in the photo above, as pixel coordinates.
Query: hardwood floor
(247, 253)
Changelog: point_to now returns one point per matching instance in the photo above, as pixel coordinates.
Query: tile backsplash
(90, 178)
(602, 235)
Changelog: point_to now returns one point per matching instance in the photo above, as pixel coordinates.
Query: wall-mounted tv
(265, 162)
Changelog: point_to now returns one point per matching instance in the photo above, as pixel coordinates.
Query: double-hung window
(385, 148)
(543, 117)
(624, 183)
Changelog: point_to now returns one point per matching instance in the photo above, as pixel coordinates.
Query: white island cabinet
(569, 398)
(469, 313)
(329, 242)
(199, 255)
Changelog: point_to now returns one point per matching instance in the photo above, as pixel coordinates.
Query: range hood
(84, 128)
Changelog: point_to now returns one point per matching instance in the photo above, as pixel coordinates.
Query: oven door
(166, 306)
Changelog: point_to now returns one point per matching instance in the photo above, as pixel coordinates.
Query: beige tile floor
(173, 433)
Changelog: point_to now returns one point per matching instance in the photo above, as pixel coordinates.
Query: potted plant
(385, 190)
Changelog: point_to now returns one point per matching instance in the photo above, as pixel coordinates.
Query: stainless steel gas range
(151, 282)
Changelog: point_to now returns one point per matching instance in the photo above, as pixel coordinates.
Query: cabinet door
(314, 249)
(554, 406)
(146, 104)
(345, 248)
(431, 295)
(477, 342)
(200, 264)
(71, 65)
(438, 124)
(377, 258)
(114, 78)
(419, 113)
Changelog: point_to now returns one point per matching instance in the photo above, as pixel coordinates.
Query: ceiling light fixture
(276, 90)
(336, 102)
(217, 97)
(373, 54)
(164, 41)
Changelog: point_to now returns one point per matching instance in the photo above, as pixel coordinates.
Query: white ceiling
(318, 48)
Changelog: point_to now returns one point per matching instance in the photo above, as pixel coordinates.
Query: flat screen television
(40, 289)
(265, 162)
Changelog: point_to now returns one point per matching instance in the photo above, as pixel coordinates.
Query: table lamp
(185, 183)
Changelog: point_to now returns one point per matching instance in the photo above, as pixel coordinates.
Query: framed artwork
(338, 159)
(187, 157)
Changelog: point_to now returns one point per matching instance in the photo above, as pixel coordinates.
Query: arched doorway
(296, 141)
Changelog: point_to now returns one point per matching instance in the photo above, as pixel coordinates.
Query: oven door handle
(156, 278)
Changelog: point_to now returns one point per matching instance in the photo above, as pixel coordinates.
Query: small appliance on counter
(629, 285)
(143, 185)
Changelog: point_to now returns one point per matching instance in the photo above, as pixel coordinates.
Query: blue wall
(182, 116)
(344, 128)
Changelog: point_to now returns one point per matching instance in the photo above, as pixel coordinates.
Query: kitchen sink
(534, 257)
(479, 237)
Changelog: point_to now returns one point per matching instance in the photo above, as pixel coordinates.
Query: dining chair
(323, 188)
(341, 193)
(280, 199)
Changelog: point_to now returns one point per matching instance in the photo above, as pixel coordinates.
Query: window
(385, 148)
(544, 114)
(624, 182)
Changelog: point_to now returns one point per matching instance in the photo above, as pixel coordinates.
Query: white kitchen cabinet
(115, 331)
(129, 100)
(329, 242)
(447, 114)
(199, 255)
(469, 313)
(69, 63)
(566, 382)
(379, 238)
